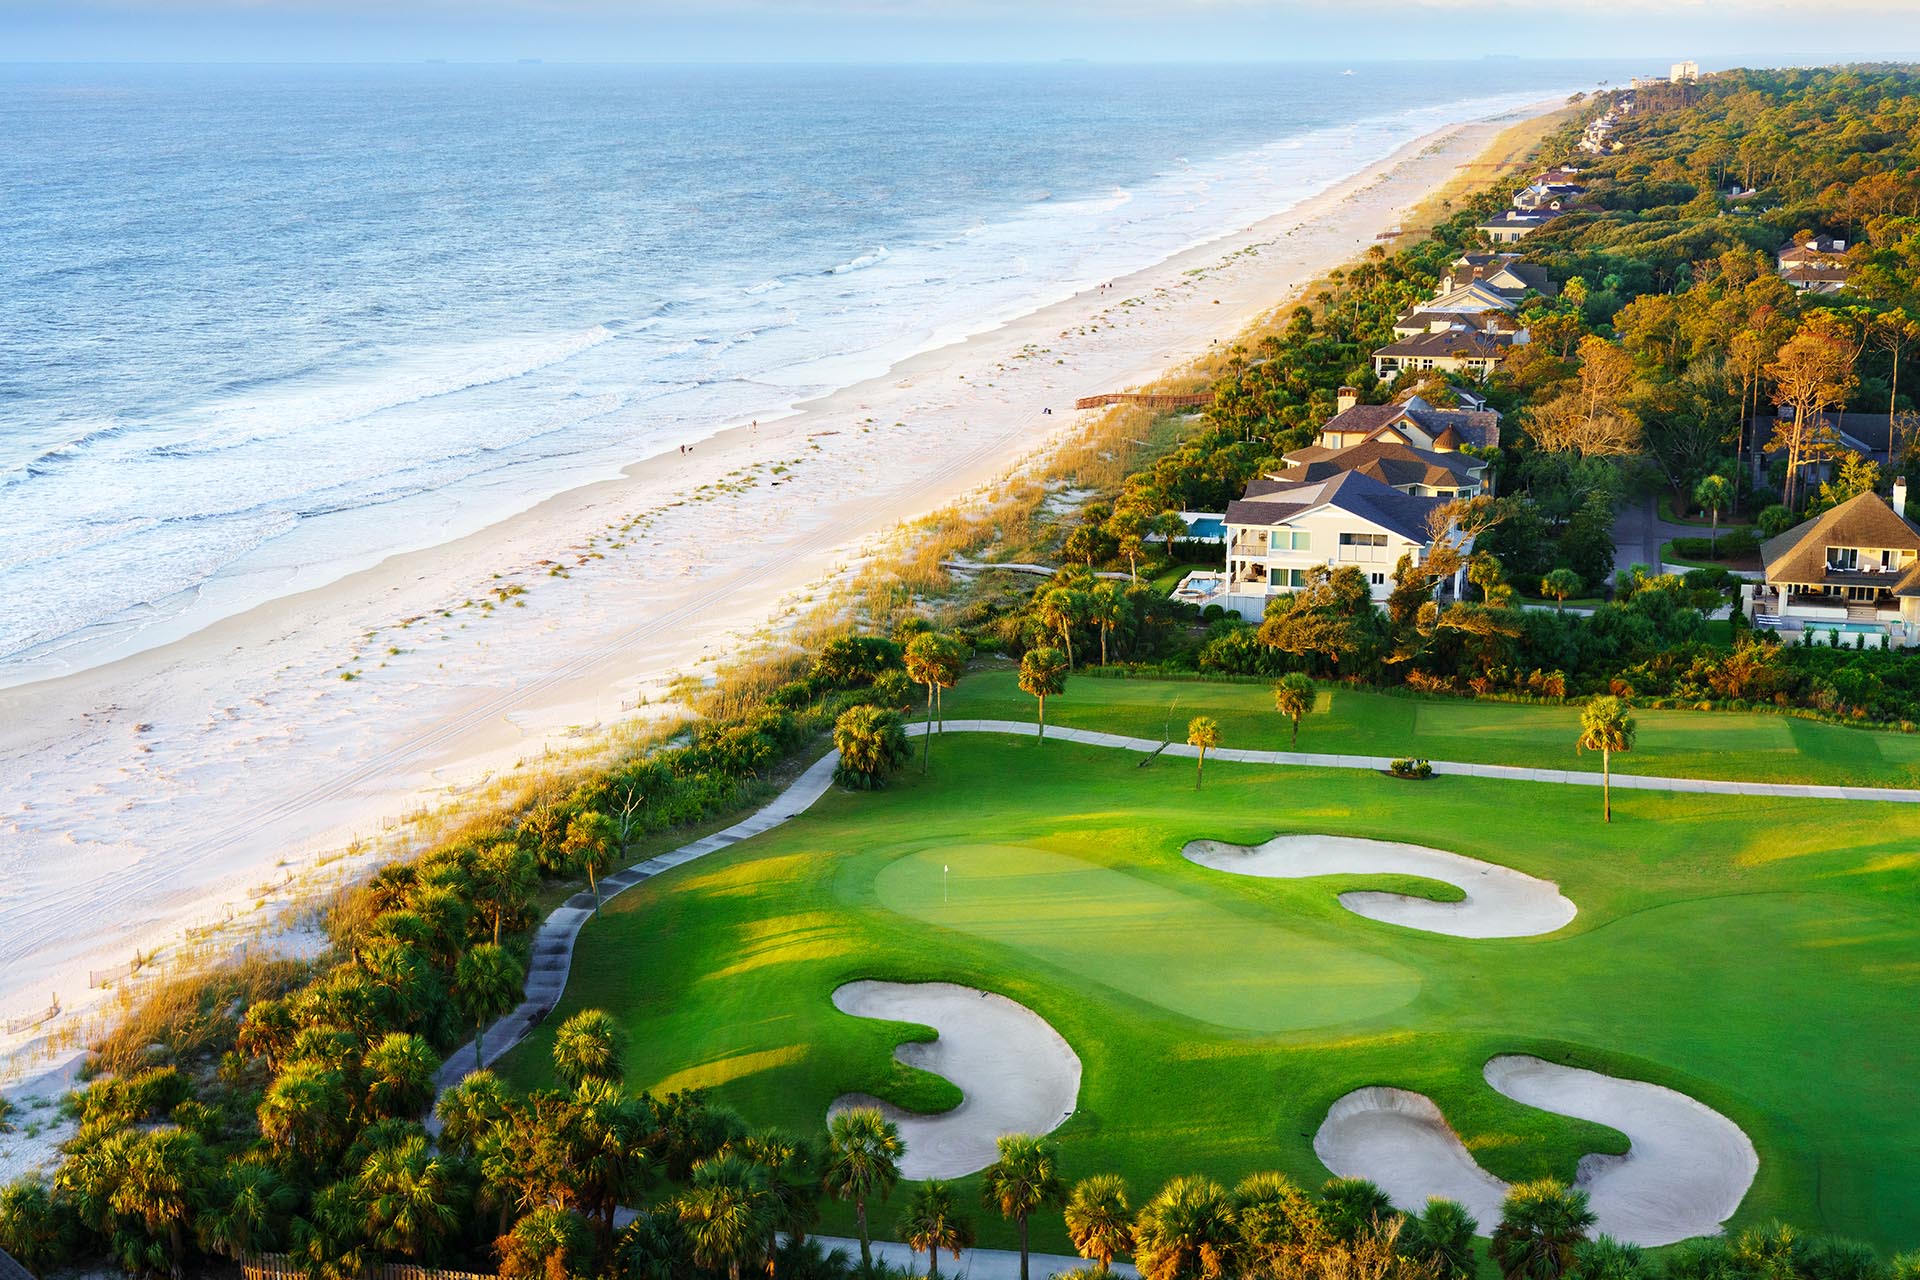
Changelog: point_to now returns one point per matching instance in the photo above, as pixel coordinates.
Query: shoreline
(157, 791)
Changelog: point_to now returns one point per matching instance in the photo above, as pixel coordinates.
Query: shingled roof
(1273, 502)
(1798, 557)
(1477, 427)
(1385, 460)
(1461, 344)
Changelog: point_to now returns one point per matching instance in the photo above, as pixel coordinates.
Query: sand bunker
(1017, 1074)
(1684, 1175)
(1500, 902)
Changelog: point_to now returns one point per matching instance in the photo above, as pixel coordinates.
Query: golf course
(1759, 956)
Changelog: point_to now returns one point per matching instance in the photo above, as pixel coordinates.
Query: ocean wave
(321, 411)
(861, 263)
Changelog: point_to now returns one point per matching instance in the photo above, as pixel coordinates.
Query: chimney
(1345, 399)
(1900, 497)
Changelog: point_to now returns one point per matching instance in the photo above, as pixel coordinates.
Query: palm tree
(470, 1109)
(411, 1196)
(728, 1214)
(1280, 1229)
(547, 1244)
(1714, 492)
(932, 1221)
(1293, 698)
(1062, 609)
(486, 985)
(1099, 1220)
(1107, 608)
(952, 664)
(863, 1163)
(1202, 732)
(935, 661)
(306, 1111)
(1561, 585)
(1604, 1258)
(1043, 674)
(1542, 1225)
(921, 657)
(503, 879)
(251, 1206)
(591, 844)
(398, 1074)
(793, 1182)
(587, 1047)
(1442, 1238)
(1606, 727)
(163, 1183)
(1025, 1178)
(1186, 1232)
(1354, 1208)
(871, 744)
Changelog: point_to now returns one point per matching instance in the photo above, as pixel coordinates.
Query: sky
(1716, 32)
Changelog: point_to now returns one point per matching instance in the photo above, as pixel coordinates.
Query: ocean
(263, 326)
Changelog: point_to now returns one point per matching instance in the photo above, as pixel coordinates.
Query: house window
(1379, 579)
(1363, 539)
(1843, 559)
(1296, 578)
(1301, 540)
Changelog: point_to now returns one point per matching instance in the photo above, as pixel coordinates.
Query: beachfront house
(1816, 265)
(1510, 226)
(1849, 576)
(1412, 422)
(1455, 349)
(1280, 532)
(1421, 473)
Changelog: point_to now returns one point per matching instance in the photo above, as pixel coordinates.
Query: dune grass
(1741, 746)
(1760, 955)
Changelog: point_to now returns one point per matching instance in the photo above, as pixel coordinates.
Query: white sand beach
(178, 786)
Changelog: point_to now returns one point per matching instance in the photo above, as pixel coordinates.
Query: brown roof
(1457, 343)
(1799, 556)
(1477, 427)
(1816, 273)
(1388, 462)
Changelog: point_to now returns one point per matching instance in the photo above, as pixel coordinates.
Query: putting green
(1060, 910)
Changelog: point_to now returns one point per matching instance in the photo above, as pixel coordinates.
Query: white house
(1280, 532)
(1853, 571)
(1511, 226)
(1816, 265)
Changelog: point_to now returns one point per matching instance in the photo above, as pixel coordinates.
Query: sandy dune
(1018, 1075)
(1500, 902)
(1686, 1172)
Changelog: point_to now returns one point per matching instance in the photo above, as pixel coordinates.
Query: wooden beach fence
(118, 973)
(1145, 400)
(16, 1026)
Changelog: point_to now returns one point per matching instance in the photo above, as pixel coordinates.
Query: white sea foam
(385, 446)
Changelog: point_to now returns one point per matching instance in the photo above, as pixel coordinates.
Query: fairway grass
(1738, 746)
(1759, 955)
(1066, 912)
